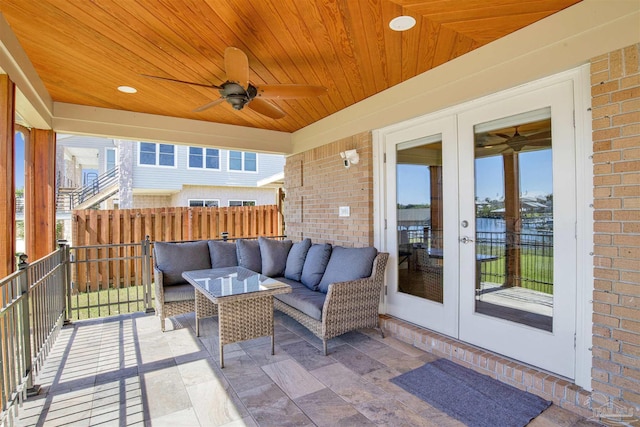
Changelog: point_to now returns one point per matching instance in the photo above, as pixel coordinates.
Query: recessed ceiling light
(127, 89)
(402, 23)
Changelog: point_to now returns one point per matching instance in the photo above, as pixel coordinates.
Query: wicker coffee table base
(242, 318)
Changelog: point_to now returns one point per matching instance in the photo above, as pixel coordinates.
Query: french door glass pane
(419, 218)
(514, 219)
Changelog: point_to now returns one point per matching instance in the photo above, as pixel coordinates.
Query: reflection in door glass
(514, 219)
(419, 218)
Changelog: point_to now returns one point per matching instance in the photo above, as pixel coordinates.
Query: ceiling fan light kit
(238, 91)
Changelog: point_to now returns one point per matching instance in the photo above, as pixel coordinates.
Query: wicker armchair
(173, 295)
(348, 305)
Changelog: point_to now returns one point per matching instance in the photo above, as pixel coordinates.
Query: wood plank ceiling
(84, 50)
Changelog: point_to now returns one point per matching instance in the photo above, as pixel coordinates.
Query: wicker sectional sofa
(334, 289)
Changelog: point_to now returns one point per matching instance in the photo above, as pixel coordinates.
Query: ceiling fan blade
(236, 65)
(290, 91)
(502, 135)
(540, 135)
(181, 81)
(539, 142)
(266, 108)
(208, 105)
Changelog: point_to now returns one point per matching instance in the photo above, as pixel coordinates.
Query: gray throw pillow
(315, 264)
(347, 264)
(174, 258)
(249, 255)
(295, 260)
(274, 255)
(223, 254)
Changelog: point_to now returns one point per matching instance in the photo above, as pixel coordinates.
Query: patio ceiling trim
(557, 43)
(33, 102)
(79, 119)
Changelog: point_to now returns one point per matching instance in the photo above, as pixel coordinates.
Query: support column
(40, 189)
(512, 218)
(7, 177)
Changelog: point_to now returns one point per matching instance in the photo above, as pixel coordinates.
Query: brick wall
(615, 91)
(317, 184)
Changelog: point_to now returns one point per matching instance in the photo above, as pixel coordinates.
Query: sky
(19, 160)
(535, 178)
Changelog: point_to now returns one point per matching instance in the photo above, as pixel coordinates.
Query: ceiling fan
(517, 142)
(238, 90)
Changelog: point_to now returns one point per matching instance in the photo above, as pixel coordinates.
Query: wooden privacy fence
(121, 264)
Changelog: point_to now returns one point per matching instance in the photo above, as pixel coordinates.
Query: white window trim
(242, 170)
(204, 158)
(255, 202)
(156, 165)
(201, 200)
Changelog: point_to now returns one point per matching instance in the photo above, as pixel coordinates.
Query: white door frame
(584, 180)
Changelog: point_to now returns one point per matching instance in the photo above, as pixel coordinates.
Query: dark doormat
(472, 398)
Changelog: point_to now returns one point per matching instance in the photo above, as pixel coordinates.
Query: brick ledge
(560, 391)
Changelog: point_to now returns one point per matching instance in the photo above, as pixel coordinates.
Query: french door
(481, 211)
(422, 189)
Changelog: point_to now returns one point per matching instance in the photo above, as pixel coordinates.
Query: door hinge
(384, 157)
(575, 338)
(385, 224)
(385, 290)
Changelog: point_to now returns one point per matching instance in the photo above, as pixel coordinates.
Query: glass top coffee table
(244, 299)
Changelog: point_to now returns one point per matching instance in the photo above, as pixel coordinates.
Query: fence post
(146, 274)
(66, 278)
(23, 288)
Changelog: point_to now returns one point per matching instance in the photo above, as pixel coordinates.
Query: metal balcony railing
(41, 296)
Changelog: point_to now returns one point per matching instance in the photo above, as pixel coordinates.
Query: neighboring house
(151, 174)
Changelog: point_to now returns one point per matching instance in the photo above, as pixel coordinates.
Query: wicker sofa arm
(158, 282)
(354, 304)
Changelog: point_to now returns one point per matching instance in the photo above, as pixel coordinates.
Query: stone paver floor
(123, 371)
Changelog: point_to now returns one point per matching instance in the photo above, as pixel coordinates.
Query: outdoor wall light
(349, 157)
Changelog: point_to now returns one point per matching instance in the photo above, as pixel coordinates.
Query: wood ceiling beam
(7, 180)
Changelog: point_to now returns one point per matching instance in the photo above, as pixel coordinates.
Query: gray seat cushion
(347, 264)
(249, 255)
(274, 255)
(315, 264)
(174, 258)
(177, 293)
(223, 254)
(305, 300)
(293, 283)
(295, 259)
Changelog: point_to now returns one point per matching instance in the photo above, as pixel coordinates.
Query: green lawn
(108, 302)
(536, 272)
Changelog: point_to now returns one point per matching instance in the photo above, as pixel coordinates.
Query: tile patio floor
(123, 371)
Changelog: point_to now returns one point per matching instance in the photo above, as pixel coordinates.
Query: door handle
(466, 239)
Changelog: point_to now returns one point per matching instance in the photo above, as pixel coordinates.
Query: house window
(157, 154)
(110, 162)
(243, 161)
(204, 158)
(204, 203)
(242, 202)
